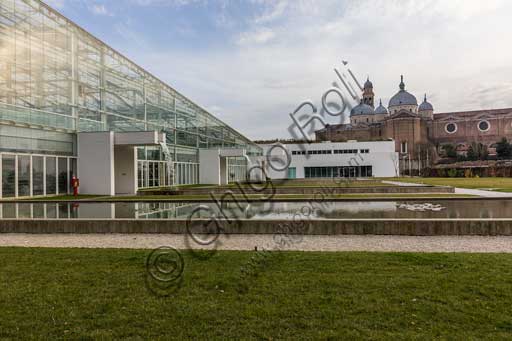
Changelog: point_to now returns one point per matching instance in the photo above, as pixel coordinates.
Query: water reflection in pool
(264, 210)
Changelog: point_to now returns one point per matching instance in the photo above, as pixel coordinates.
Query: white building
(331, 159)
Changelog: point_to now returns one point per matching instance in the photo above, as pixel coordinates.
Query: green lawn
(101, 294)
(500, 184)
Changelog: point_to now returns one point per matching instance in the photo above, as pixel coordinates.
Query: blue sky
(251, 62)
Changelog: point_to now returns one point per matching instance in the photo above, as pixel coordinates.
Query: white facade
(107, 161)
(331, 159)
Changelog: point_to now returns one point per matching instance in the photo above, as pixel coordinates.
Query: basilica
(419, 133)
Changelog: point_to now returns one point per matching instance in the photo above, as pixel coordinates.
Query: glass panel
(8, 176)
(146, 175)
(24, 211)
(23, 175)
(37, 175)
(63, 175)
(51, 176)
(9, 210)
(140, 179)
(156, 173)
(38, 209)
(51, 211)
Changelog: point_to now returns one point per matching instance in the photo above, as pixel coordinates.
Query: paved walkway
(502, 244)
(482, 193)
(403, 184)
(467, 191)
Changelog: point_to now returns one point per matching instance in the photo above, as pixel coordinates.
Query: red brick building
(419, 134)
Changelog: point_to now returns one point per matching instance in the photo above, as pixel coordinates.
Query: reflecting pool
(484, 209)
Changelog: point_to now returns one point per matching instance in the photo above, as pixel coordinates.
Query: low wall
(411, 227)
(325, 190)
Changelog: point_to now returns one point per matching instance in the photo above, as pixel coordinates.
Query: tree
(477, 151)
(450, 150)
(471, 154)
(503, 149)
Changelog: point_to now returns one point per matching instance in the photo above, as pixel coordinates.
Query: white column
(96, 163)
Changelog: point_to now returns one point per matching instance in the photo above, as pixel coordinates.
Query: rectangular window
(140, 176)
(23, 175)
(38, 175)
(51, 176)
(292, 173)
(63, 175)
(403, 147)
(8, 176)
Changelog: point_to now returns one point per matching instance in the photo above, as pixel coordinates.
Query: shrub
(503, 149)
(452, 173)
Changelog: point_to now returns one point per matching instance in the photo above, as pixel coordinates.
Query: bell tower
(368, 95)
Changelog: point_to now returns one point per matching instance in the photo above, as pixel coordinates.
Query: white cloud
(259, 36)
(274, 9)
(100, 9)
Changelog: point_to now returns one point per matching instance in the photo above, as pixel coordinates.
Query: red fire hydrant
(75, 182)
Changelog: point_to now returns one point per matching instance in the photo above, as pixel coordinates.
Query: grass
(101, 294)
(500, 184)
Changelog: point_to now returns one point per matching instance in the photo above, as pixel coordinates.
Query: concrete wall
(139, 138)
(125, 165)
(223, 171)
(96, 163)
(209, 166)
(333, 189)
(410, 227)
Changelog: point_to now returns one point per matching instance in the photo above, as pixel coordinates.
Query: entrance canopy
(213, 164)
(107, 161)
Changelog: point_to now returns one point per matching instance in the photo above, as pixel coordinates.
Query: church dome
(362, 109)
(402, 97)
(381, 109)
(425, 105)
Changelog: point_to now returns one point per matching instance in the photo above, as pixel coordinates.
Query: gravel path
(249, 242)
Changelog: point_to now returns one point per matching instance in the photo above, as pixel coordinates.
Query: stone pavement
(376, 243)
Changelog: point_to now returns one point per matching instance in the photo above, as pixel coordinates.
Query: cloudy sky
(251, 62)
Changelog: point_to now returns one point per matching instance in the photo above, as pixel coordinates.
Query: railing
(24, 115)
